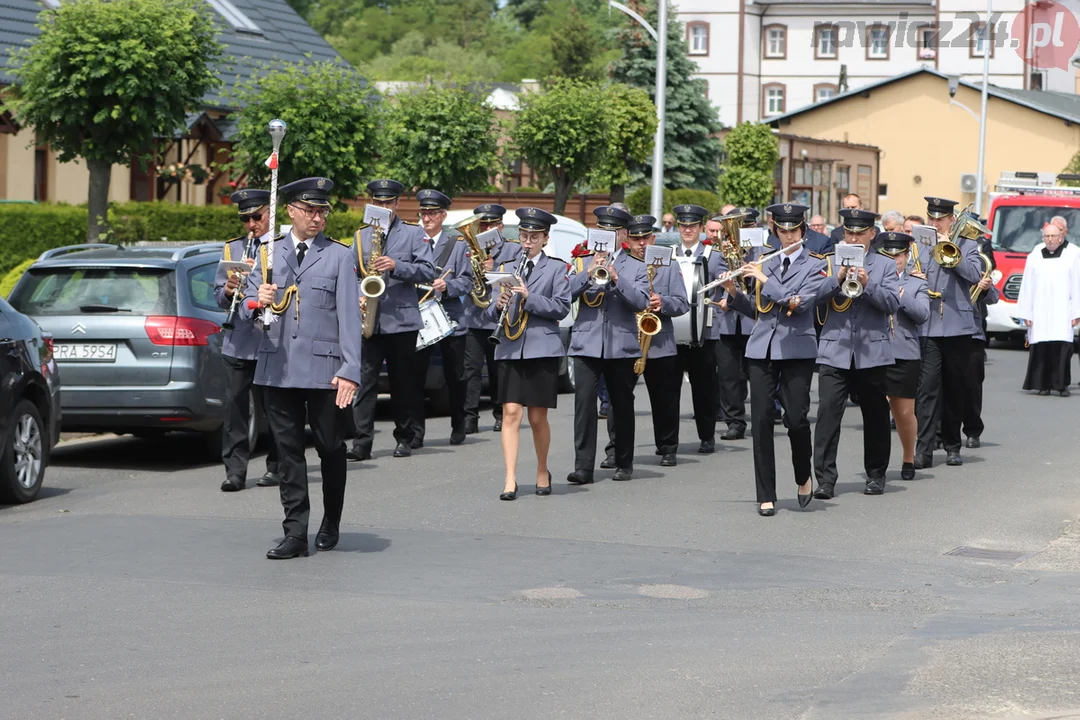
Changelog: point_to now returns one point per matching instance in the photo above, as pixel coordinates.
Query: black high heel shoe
(545, 490)
(804, 500)
(509, 495)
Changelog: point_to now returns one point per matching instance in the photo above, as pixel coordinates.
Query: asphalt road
(134, 588)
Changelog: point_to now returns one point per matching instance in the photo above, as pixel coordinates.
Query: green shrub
(13, 275)
(528, 190)
(26, 231)
(640, 200)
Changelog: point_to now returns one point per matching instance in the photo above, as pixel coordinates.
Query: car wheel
(23, 465)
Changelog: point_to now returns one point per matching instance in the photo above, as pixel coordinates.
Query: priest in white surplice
(1049, 304)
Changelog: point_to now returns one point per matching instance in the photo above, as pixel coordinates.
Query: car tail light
(169, 330)
(48, 340)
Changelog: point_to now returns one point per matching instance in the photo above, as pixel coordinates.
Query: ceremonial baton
(277, 134)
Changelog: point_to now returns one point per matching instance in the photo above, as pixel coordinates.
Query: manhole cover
(986, 554)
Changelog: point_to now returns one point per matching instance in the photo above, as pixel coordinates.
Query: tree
(631, 118)
(104, 78)
(1072, 168)
(332, 118)
(691, 153)
(562, 130)
(441, 138)
(574, 49)
(752, 154)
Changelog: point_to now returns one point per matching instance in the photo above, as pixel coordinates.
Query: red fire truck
(1022, 202)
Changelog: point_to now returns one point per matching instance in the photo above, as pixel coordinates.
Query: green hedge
(26, 231)
(12, 277)
(640, 201)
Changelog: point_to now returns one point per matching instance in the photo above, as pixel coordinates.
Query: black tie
(300, 254)
(787, 264)
(528, 270)
(689, 252)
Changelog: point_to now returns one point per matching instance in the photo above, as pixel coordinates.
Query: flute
(737, 272)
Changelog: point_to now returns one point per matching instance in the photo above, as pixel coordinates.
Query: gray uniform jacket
(952, 314)
(398, 308)
(668, 284)
(914, 310)
(609, 330)
(242, 342)
(458, 283)
(505, 256)
(776, 335)
(319, 338)
(859, 336)
(548, 303)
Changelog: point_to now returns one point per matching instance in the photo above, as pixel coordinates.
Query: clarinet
(494, 337)
(230, 319)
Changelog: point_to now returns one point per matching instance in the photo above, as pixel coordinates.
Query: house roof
(285, 37)
(1060, 105)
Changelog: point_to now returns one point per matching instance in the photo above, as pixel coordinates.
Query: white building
(763, 58)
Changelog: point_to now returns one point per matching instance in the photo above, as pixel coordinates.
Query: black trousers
(732, 377)
(834, 385)
(664, 384)
(399, 351)
(239, 376)
(289, 410)
(973, 423)
(700, 364)
(794, 377)
(942, 391)
(480, 350)
(620, 379)
(452, 351)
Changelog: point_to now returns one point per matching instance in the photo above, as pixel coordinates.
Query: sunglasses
(253, 218)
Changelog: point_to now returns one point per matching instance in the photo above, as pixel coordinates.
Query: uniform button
(294, 336)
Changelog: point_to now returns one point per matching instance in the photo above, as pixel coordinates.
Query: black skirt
(533, 382)
(902, 379)
(1048, 366)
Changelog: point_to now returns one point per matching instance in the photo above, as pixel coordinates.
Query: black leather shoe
(498, 426)
(907, 472)
(668, 460)
(733, 434)
(472, 426)
(875, 486)
(416, 443)
(232, 484)
(608, 464)
(972, 442)
(804, 500)
(954, 459)
(327, 537)
(580, 477)
(358, 454)
(924, 462)
(457, 437)
(707, 446)
(509, 495)
(623, 474)
(269, 479)
(545, 490)
(825, 492)
(290, 547)
(402, 450)
(766, 512)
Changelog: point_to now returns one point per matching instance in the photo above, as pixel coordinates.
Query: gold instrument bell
(966, 225)
(648, 325)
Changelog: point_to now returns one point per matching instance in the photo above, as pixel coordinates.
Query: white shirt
(435, 239)
(793, 257)
(693, 249)
(300, 244)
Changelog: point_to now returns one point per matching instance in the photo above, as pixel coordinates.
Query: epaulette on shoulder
(557, 259)
(240, 237)
(820, 256)
(338, 242)
(414, 223)
(279, 237)
(632, 256)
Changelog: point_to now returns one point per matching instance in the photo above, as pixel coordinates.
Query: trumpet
(739, 271)
(230, 319)
(372, 284)
(851, 287)
(600, 274)
(648, 325)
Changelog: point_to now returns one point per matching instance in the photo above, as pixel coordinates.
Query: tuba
(947, 252)
(372, 284)
(648, 325)
(469, 228)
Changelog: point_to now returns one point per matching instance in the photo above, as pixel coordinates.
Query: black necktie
(528, 270)
(300, 254)
(787, 264)
(689, 252)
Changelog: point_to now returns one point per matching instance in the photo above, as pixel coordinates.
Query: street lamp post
(661, 91)
(987, 39)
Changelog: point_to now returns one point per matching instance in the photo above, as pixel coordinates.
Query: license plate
(86, 352)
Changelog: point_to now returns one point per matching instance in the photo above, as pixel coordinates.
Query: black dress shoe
(972, 442)
(875, 486)
(457, 437)
(416, 443)
(509, 495)
(232, 484)
(472, 426)
(358, 454)
(269, 479)
(402, 450)
(733, 434)
(804, 500)
(498, 426)
(825, 491)
(907, 472)
(707, 446)
(924, 462)
(1064, 393)
(580, 477)
(290, 547)
(623, 474)
(954, 459)
(545, 490)
(1044, 392)
(668, 460)
(766, 512)
(327, 537)
(608, 464)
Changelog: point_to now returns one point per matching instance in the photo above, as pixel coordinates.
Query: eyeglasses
(321, 213)
(1051, 236)
(430, 213)
(252, 218)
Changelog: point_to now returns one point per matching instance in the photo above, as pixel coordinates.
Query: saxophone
(648, 325)
(372, 284)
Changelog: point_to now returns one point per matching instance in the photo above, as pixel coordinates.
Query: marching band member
(699, 362)
(902, 378)
(603, 342)
(972, 423)
(454, 282)
(530, 348)
(478, 348)
(239, 348)
(309, 359)
(782, 348)
(732, 331)
(853, 354)
(946, 340)
(405, 262)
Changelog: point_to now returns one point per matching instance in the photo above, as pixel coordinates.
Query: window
(773, 99)
(825, 42)
(775, 42)
(66, 291)
(201, 287)
(926, 42)
(236, 18)
(824, 91)
(866, 174)
(698, 38)
(877, 43)
(980, 39)
(843, 178)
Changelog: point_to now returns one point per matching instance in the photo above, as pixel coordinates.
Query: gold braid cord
(289, 293)
(227, 253)
(817, 310)
(585, 298)
(521, 324)
(757, 298)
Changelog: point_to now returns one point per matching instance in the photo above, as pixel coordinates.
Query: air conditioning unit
(969, 183)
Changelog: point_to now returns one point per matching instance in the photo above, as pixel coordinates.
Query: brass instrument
(478, 257)
(648, 325)
(234, 306)
(504, 324)
(372, 284)
(988, 269)
(733, 251)
(946, 253)
(851, 287)
(599, 272)
(739, 271)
